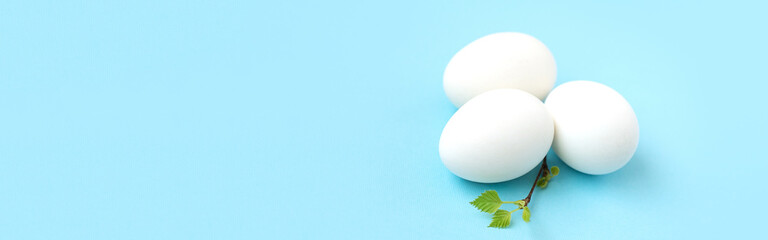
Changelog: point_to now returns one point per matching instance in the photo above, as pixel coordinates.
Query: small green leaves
(544, 180)
(555, 170)
(542, 183)
(526, 214)
(488, 201)
(501, 219)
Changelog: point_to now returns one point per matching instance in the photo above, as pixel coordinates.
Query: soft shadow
(474, 188)
(633, 182)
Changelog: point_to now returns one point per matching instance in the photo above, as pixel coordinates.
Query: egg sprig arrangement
(502, 129)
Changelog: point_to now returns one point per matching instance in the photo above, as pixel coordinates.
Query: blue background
(285, 119)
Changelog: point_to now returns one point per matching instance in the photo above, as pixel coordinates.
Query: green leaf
(488, 202)
(519, 203)
(555, 170)
(501, 219)
(526, 214)
(542, 183)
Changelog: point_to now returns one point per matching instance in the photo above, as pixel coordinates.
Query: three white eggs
(502, 129)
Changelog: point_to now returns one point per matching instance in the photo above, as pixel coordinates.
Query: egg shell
(497, 136)
(500, 60)
(596, 130)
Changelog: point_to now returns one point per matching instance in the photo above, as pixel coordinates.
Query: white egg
(596, 130)
(497, 136)
(500, 60)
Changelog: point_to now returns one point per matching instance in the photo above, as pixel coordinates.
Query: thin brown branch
(541, 170)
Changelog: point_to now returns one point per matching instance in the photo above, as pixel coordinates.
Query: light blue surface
(280, 119)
